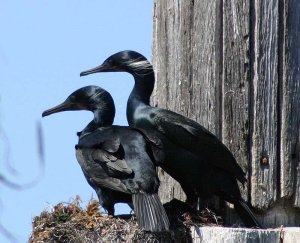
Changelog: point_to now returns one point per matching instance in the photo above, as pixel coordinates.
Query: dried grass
(69, 222)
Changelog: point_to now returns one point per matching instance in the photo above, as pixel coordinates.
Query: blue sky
(44, 45)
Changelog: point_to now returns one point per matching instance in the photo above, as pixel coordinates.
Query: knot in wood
(264, 160)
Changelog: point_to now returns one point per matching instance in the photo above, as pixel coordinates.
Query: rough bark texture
(234, 66)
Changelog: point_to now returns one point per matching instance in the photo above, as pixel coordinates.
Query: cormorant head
(124, 61)
(91, 98)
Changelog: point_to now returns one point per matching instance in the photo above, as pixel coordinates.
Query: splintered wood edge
(221, 234)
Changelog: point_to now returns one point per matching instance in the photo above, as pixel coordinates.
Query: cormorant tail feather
(150, 213)
(246, 214)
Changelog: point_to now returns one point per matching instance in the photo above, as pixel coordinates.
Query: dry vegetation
(69, 222)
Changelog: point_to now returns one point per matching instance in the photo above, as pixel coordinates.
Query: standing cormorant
(117, 161)
(204, 148)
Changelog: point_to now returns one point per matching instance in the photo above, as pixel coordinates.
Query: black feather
(246, 214)
(150, 213)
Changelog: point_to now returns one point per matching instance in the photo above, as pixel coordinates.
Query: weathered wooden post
(234, 66)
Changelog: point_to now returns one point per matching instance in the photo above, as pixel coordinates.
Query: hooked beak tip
(65, 106)
(46, 113)
(102, 68)
(93, 70)
(82, 74)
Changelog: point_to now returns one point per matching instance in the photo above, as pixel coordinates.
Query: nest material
(69, 222)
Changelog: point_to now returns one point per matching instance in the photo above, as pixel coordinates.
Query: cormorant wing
(97, 175)
(116, 167)
(195, 138)
(103, 137)
(107, 151)
(156, 145)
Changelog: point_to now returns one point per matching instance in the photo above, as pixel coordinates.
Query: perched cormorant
(117, 161)
(201, 163)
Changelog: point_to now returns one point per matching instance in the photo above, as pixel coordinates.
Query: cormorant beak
(102, 68)
(65, 106)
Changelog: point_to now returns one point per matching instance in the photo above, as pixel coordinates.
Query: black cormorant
(204, 149)
(117, 161)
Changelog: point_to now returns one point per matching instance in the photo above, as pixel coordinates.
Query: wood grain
(235, 85)
(205, 65)
(290, 96)
(172, 34)
(264, 81)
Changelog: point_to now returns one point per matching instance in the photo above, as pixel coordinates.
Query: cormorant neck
(143, 87)
(101, 119)
(140, 94)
